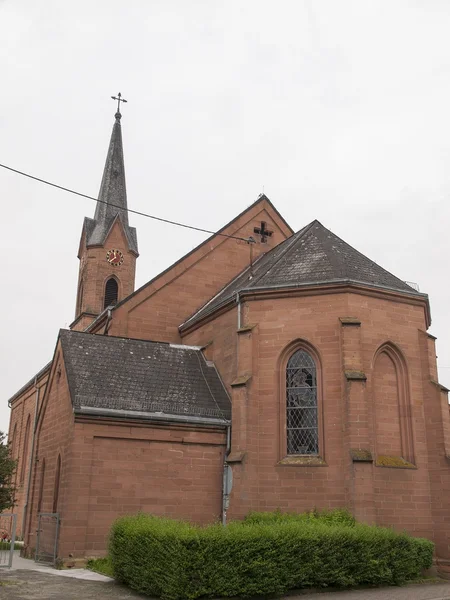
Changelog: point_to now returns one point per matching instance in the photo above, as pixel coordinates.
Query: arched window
(302, 430)
(41, 487)
(26, 444)
(392, 404)
(111, 292)
(56, 489)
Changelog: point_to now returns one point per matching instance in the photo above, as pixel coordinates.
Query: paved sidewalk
(29, 565)
(27, 580)
(430, 591)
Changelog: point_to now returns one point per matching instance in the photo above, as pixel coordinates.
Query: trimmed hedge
(327, 517)
(173, 560)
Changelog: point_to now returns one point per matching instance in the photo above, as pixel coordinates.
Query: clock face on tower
(114, 257)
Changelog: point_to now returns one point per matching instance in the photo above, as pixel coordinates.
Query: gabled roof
(136, 378)
(112, 198)
(261, 198)
(312, 256)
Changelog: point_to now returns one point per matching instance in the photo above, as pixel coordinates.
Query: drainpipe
(30, 465)
(108, 320)
(227, 479)
(238, 302)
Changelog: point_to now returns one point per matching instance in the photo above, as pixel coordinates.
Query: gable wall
(157, 310)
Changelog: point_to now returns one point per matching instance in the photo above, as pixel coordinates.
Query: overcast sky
(338, 110)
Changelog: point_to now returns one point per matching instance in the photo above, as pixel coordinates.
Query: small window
(302, 429)
(111, 292)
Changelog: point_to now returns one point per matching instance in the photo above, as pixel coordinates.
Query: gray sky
(339, 110)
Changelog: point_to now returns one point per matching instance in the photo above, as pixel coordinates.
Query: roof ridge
(120, 337)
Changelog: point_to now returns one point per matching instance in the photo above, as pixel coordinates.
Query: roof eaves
(151, 416)
(413, 292)
(31, 382)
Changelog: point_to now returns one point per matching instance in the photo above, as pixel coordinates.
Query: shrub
(327, 517)
(174, 560)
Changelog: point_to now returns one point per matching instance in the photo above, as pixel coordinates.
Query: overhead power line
(135, 212)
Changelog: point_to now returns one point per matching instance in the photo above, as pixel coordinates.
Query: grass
(101, 565)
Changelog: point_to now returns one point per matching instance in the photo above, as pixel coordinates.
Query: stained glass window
(301, 404)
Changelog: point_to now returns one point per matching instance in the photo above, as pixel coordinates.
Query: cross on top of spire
(119, 100)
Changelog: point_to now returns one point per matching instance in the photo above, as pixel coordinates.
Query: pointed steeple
(112, 198)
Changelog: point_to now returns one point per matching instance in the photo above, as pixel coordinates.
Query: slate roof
(314, 255)
(113, 374)
(113, 191)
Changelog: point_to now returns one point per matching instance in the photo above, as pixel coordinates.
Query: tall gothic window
(26, 444)
(41, 487)
(302, 429)
(111, 292)
(57, 481)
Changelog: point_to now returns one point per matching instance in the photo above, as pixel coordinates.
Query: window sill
(302, 461)
(393, 462)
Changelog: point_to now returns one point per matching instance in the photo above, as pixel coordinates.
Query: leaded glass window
(301, 404)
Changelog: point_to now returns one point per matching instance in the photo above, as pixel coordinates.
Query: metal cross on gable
(119, 100)
(263, 232)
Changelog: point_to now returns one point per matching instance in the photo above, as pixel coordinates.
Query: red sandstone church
(307, 369)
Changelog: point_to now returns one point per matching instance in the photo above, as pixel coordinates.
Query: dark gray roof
(137, 377)
(313, 255)
(113, 192)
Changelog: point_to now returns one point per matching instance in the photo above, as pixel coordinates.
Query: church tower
(108, 246)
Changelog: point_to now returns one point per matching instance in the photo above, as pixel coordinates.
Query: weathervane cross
(119, 100)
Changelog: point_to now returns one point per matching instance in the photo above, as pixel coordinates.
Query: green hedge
(327, 517)
(174, 560)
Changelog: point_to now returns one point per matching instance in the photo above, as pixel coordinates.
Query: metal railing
(47, 538)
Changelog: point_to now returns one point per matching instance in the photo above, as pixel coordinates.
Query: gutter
(154, 416)
(236, 296)
(239, 315)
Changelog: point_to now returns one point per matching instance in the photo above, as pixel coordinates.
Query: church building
(266, 369)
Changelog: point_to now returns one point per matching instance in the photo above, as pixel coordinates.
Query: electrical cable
(249, 240)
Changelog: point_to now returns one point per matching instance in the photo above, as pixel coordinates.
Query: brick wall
(119, 469)
(360, 413)
(23, 411)
(54, 438)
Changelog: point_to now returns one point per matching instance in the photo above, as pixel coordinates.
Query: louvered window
(111, 292)
(301, 404)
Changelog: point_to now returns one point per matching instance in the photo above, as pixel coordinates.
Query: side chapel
(308, 372)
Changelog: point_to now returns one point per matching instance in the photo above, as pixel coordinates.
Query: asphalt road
(36, 585)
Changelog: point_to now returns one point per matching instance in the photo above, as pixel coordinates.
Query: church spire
(112, 198)
(108, 247)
